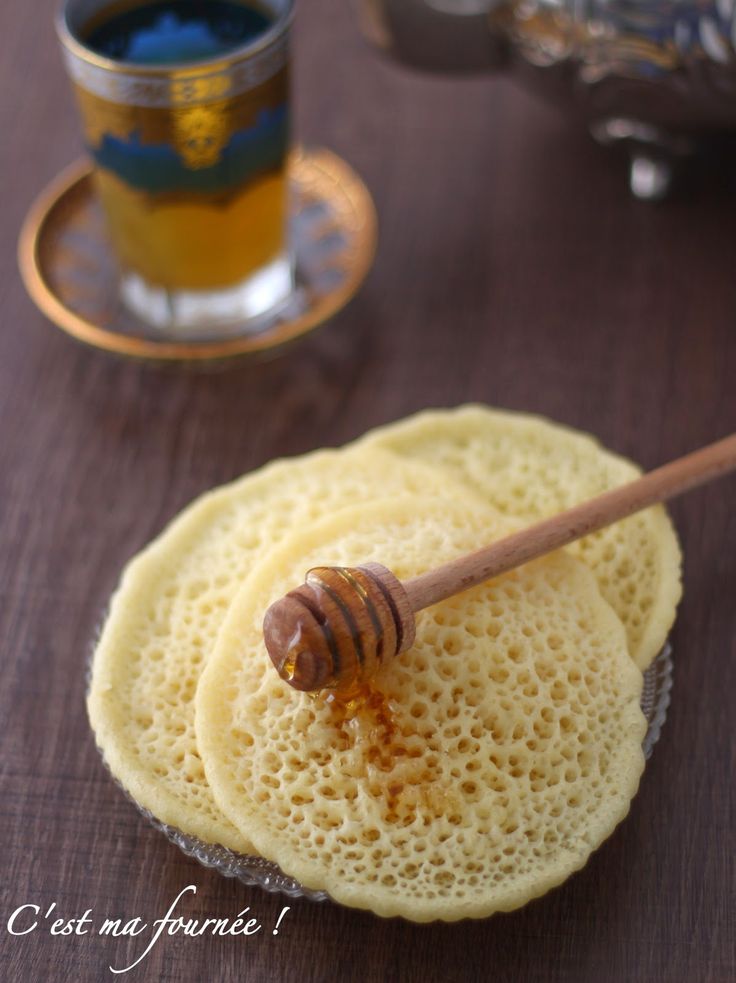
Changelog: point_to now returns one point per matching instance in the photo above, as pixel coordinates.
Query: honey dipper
(344, 622)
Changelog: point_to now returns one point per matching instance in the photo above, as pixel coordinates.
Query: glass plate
(255, 871)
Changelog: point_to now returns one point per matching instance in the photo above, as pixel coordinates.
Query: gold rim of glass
(205, 67)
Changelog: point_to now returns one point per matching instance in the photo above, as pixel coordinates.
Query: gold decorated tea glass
(190, 167)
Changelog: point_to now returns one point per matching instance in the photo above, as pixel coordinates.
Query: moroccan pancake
(488, 761)
(529, 468)
(172, 598)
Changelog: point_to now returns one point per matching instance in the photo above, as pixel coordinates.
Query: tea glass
(190, 166)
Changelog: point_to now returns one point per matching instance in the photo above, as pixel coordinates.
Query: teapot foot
(655, 155)
(650, 178)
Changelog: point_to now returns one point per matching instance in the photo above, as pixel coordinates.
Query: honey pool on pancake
(363, 715)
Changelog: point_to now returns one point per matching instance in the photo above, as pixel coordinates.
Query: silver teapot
(655, 76)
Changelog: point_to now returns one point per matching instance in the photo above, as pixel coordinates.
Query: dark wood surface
(514, 269)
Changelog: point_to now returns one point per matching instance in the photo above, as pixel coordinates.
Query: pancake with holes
(480, 768)
(530, 468)
(165, 616)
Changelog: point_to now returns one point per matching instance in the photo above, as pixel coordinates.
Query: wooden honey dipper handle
(343, 623)
(566, 527)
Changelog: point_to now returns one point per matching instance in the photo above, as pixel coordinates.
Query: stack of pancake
(488, 761)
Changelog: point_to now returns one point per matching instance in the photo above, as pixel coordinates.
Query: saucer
(70, 272)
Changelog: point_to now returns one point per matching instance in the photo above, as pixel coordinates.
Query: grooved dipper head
(339, 627)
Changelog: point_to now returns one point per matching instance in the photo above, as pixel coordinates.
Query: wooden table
(514, 269)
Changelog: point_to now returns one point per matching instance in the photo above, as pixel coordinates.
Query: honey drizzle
(363, 713)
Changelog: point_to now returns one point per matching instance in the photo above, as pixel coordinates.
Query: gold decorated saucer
(70, 272)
